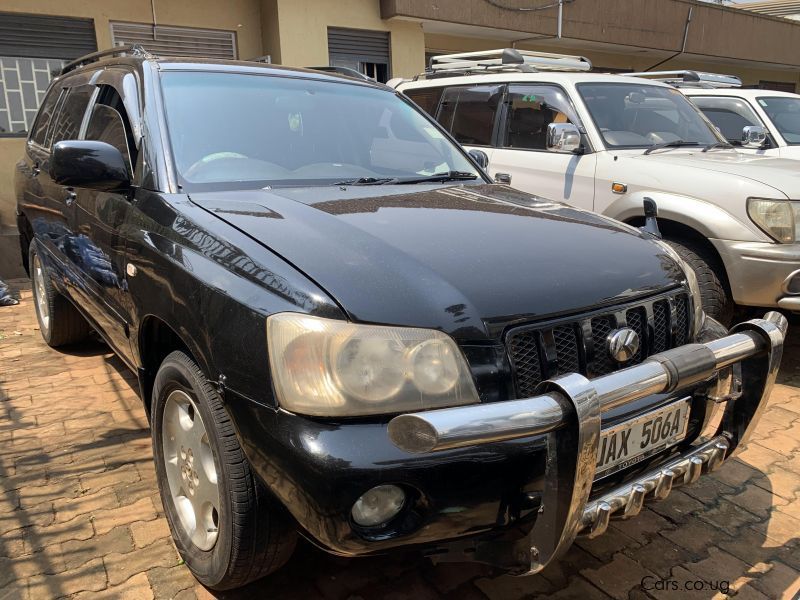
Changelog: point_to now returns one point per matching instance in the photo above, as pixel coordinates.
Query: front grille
(544, 350)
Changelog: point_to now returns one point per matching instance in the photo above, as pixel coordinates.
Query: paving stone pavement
(80, 514)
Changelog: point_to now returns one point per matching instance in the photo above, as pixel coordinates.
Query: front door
(99, 216)
(522, 150)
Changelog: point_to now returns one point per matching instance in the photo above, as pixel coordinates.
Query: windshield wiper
(366, 181)
(726, 145)
(672, 144)
(445, 176)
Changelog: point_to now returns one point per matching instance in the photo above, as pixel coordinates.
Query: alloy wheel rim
(191, 471)
(41, 294)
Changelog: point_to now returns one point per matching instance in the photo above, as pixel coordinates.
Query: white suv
(736, 112)
(605, 142)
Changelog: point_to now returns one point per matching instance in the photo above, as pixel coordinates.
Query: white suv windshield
(784, 112)
(234, 130)
(632, 115)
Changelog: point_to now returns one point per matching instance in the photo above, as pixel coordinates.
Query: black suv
(343, 329)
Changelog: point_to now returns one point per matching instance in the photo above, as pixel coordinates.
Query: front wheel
(717, 300)
(226, 526)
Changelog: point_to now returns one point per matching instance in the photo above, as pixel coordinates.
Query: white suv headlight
(779, 219)
(332, 368)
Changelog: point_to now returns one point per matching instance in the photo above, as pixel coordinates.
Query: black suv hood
(468, 260)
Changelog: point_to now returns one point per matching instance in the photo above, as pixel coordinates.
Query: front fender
(706, 218)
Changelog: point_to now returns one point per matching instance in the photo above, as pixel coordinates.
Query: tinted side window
(70, 117)
(426, 99)
(468, 113)
(44, 117)
(730, 115)
(531, 108)
(108, 123)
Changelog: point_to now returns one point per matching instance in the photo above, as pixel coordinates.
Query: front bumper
(759, 272)
(570, 410)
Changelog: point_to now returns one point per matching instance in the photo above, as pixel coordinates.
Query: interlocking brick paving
(80, 514)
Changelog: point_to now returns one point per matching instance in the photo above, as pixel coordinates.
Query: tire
(717, 301)
(253, 534)
(59, 321)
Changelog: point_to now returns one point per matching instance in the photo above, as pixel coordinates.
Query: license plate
(628, 443)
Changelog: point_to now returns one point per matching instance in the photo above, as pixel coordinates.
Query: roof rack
(505, 59)
(695, 79)
(134, 49)
(343, 71)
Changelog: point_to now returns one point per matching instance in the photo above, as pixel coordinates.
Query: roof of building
(775, 8)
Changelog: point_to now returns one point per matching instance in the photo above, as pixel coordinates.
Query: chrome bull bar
(570, 408)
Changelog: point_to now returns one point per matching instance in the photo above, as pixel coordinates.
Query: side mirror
(480, 157)
(89, 164)
(563, 137)
(753, 136)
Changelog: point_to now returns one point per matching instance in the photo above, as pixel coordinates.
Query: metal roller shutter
(37, 36)
(176, 41)
(358, 44)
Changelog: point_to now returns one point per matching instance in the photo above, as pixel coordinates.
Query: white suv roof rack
(505, 59)
(695, 79)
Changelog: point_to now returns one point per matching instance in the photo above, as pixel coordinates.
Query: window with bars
(176, 41)
(32, 49)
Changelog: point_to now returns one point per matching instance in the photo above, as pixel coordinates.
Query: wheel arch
(156, 339)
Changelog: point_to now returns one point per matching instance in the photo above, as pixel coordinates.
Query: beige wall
(11, 150)
(631, 60)
(303, 29)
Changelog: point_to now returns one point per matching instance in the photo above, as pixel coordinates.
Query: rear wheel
(59, 321)
(714, 291)
(226, 526)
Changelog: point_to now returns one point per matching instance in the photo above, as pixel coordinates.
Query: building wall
(303, 30)
(631, 60)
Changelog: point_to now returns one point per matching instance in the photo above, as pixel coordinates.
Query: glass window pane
(426, 98)
(71, 114)
(729, 115)
(531, 108)
(106, 125)
(785, 114)
(468, 113)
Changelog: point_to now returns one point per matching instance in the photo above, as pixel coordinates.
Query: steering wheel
(209, 158)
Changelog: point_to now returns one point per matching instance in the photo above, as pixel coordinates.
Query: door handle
(70, 199)
(35, 170)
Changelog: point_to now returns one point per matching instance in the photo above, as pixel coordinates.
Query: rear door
(54, 222)
(522, 151)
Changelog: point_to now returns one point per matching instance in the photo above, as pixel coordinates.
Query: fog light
(378, 505)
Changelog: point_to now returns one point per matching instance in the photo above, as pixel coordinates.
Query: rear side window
(70, 116)
(468, 113)
(44, 116)
(426, 98)
(531, 108)
(729, 115)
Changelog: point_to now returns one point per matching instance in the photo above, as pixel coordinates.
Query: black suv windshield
(234, 130)
(633, 115)
(784, 112)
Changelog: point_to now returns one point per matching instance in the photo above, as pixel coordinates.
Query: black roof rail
(135, 49)
(343, 71)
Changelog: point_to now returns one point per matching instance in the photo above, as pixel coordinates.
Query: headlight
(327, 367)
(779, 219)
(694, 287)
